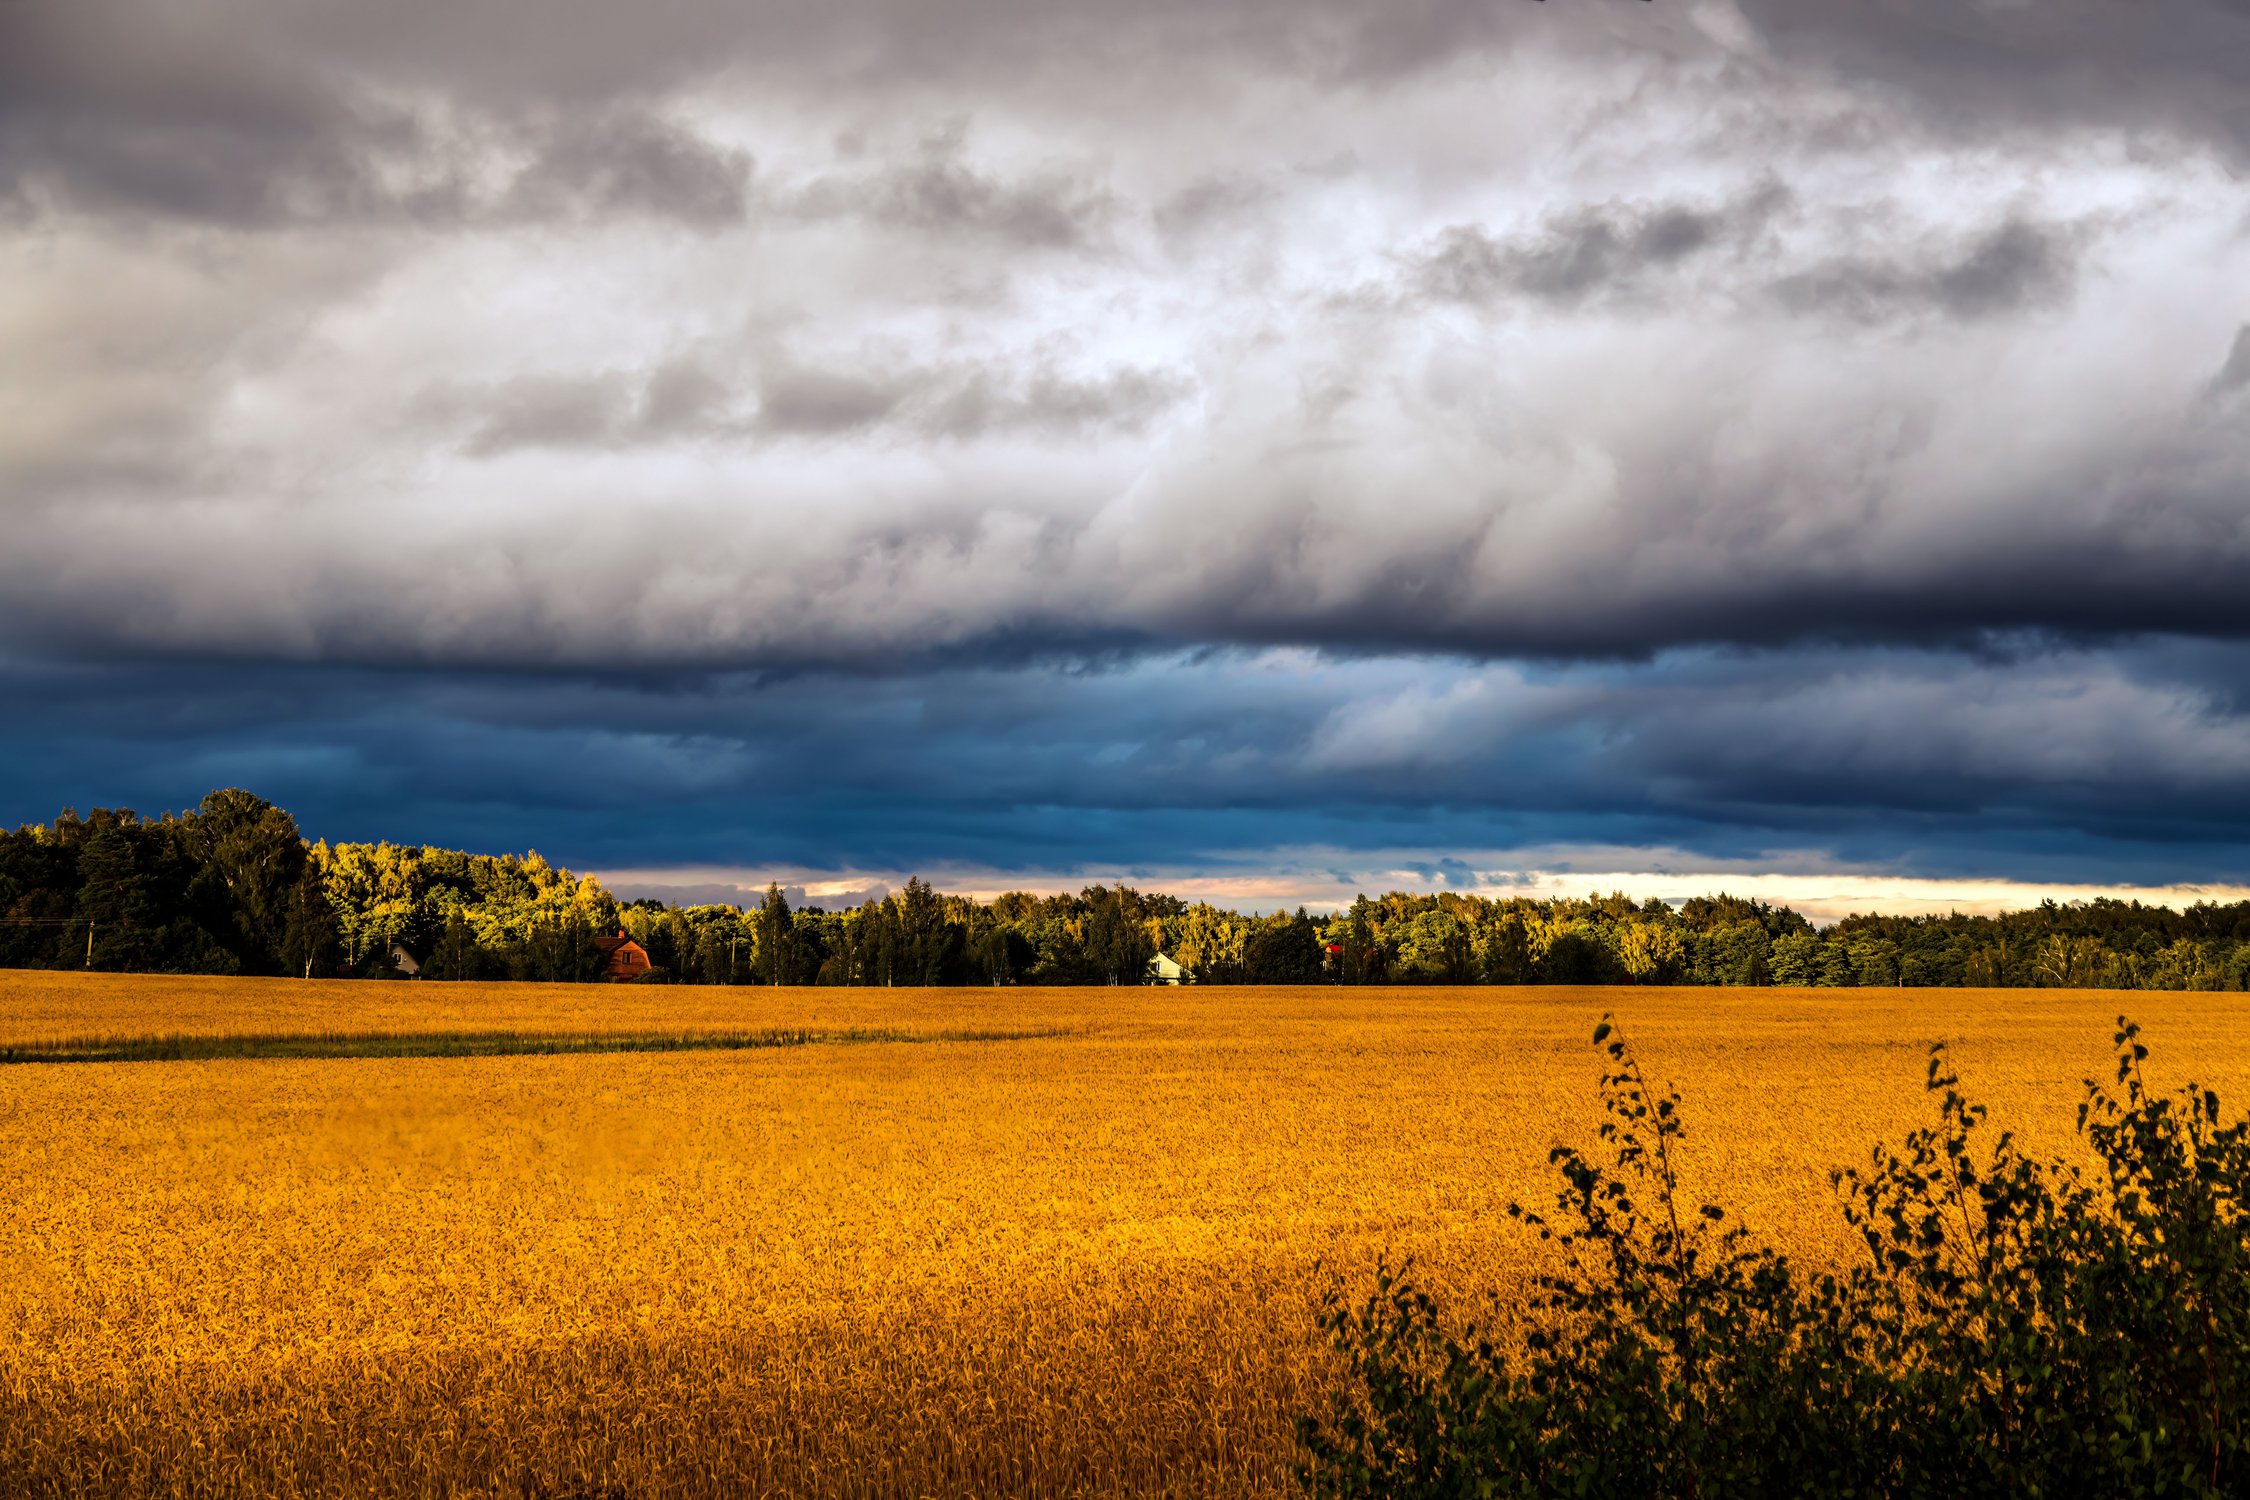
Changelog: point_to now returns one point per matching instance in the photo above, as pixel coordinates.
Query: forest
(233, 887)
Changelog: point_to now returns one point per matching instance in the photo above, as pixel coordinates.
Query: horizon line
(1822, 897)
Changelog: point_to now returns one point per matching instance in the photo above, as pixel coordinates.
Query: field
(911, 1243)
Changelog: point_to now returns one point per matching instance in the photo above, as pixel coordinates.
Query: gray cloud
(117, 108)
(1626, 250)
(1617, 509)
(959, 403)
(553, 413)
(850, 353)
(2179, 65)
(1125, 400)
(682, 397)
(819, 402)
(137, 112)
(1593, 250)
(2234, 375)
(786, 398)
(1210, 202)
(937, 190)
(262, 112)
(2016, 265)
(631, 163)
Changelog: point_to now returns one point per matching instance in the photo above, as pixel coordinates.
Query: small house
(1164, 970)
(405, 962)
(622, 958)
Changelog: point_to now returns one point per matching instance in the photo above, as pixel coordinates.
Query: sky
(1257, 449)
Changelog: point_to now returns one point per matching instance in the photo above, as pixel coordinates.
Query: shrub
(2017, 1327)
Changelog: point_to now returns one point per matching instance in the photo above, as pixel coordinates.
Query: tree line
(233, 887)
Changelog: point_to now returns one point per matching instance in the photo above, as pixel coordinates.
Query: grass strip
(340, 1045)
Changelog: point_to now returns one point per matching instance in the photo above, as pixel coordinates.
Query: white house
(1162, 970)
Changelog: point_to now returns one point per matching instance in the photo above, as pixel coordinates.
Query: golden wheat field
(1075, 1255)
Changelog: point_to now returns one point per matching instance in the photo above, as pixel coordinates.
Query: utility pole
(89, 942)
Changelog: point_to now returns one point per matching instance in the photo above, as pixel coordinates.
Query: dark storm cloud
(2169, 64)
(2074, 768)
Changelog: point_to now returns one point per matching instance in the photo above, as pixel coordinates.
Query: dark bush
(2017, 1328)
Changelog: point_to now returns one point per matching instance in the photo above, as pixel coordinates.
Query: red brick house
(624, 958)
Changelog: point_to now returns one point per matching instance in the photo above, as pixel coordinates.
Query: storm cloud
(2084, 766)
(1569, 393)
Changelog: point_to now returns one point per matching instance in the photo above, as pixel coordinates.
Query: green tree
(1504, 947)
(1796, 959)
(1212, 944)
(1874, 960)
(776, 939)
(456, 954)
(928, 946)
(248, 855)
(1360, 958)
(716, 944)
(1436, 947)
(1833, 967)
(1002, 953)
(308, 933)
(1119, 947)
(1576, 955)
(1284, 950)
(116, 899)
